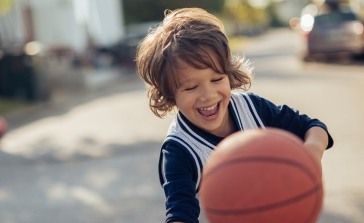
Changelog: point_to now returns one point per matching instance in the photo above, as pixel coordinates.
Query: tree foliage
(136, 11)
(242, 12)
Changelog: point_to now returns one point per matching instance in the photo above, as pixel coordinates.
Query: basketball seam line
(266, 207)
(262, 159)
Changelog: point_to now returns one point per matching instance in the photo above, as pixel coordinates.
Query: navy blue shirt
(187, 148)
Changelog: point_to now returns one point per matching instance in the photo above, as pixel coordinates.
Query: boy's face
(203, 97)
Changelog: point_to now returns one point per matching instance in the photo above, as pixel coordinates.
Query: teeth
(208, 108)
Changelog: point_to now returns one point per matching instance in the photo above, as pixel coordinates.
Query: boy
(187, 64)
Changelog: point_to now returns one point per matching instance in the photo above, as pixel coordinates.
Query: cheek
(226, 88)
(180, 99)
(185, 100)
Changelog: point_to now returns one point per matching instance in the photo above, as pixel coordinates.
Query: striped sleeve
(285, 117)
(177, 172)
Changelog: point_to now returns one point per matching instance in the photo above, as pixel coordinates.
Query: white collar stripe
(233, 103)
(194, 135)
(193, 154)
(256, 116)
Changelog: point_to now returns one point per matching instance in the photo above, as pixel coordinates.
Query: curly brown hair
(190, 35)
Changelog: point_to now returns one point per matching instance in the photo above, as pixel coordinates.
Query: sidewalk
(96, 83)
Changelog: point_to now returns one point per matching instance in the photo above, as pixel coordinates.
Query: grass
(11, 105)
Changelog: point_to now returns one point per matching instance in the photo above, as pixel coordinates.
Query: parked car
(124, 51)
(20, 77)
(334, 33)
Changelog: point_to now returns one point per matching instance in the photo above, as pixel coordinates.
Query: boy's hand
(315, 151)
(316, 141)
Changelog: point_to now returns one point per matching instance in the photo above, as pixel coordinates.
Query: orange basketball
(261, 176)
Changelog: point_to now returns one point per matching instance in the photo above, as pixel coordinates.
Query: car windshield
(335, 17)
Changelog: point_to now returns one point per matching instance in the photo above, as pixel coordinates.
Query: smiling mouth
(210, 111)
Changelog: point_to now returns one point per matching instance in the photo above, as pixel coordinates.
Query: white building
(61, 23)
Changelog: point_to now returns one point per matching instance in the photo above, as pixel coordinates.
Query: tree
(137, 11)
(244, 18)
(242, 11)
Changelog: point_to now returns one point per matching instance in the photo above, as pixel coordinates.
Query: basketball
(261, 176)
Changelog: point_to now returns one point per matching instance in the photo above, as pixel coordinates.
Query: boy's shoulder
(246, 95)
(243, 93)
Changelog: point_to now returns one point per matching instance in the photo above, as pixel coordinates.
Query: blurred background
(47, 46)
(78, 142)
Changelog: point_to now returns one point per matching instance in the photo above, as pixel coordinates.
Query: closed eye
(190, 88)
(217, 80)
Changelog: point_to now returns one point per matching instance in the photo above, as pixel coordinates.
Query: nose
(207, 92)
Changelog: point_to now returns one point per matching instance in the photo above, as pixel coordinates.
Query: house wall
(55, 24)
(12, 29)
(63, 23)
(105, 21)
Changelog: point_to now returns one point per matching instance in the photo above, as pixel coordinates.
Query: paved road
(93, 159)
(331, 92)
